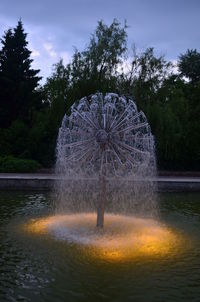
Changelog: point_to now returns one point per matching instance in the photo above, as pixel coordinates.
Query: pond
(37, 267)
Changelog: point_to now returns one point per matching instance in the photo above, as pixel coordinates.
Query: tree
(18, 81)
(106, 49)
(189, 65)
(149, 74)
(95, 68)
(56, 90)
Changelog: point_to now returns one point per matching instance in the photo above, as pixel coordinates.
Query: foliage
(18, 81)
(171, 101)
(91, 70)
(189, 65)
(10, 164)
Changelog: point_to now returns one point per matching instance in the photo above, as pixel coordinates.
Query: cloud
(49, 48)
(55, 27)
(34, 53)
(175, 66)
(65, 56)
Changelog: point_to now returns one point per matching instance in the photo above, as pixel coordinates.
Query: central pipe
(101, 205)
(102, 138)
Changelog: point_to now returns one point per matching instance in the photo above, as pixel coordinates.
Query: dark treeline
(30, 114)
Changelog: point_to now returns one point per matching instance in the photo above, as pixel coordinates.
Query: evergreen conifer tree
(18, 80)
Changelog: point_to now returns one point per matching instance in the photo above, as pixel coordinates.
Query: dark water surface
(38, 269)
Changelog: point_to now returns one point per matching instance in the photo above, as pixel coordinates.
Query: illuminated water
(105, 157)
(145, 260)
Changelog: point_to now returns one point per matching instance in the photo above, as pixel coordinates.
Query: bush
(10, 164)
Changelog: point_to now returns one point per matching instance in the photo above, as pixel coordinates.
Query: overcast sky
(55, 27)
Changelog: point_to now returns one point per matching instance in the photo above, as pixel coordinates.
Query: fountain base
(124, 237)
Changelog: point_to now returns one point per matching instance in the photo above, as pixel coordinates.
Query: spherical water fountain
(107, 140)
(105, 169)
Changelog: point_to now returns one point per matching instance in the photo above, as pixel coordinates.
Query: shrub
(10, 164)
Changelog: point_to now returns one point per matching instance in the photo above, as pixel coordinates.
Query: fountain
(105, 191)
(105, 151)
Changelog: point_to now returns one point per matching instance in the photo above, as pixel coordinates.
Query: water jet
(106, 143)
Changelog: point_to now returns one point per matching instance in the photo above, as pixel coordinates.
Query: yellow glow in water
(122, 238)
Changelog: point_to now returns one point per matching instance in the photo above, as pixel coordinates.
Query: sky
(56, 27)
